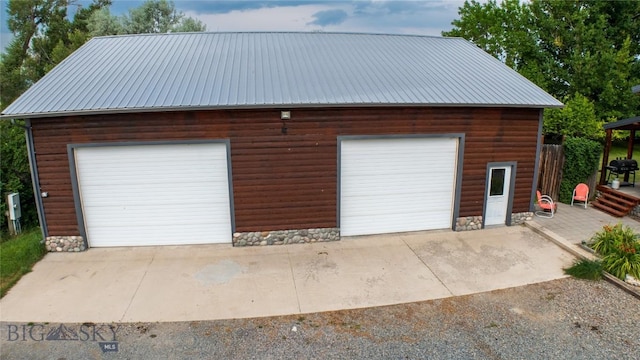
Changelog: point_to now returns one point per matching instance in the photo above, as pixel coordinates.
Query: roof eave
(621, 124)
(262, 106)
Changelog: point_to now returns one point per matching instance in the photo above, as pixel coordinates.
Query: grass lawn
(17, 257)
(618, 151)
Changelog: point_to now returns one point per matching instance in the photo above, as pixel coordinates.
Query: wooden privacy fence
(550, 170)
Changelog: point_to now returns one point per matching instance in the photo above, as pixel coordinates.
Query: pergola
(631, 124)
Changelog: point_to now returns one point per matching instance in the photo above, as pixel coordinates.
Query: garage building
(274, 138)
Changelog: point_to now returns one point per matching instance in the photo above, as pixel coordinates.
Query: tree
(154, 16)
(566, 47)
(44, 35)
(501, 30)
(576, 119)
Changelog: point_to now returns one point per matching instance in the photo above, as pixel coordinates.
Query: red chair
(581, 193)
(546, 205)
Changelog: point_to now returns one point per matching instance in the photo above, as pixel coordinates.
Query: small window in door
(497, 182)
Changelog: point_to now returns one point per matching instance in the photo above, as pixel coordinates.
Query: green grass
(620, 151)
(586, 269)
(17, 257)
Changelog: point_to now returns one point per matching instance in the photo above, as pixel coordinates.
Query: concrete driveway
(208, 282)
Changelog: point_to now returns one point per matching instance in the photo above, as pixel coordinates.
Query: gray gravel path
(561, 319)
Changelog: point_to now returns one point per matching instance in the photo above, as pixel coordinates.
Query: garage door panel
(173, 203)
(417, 169)
(113, 194)
(396, 223)
(157, 220)
(401, 210)
(154, 179)
(122, 175)
(364, 188)
(155, 194)
(145, 214)
(170, 234)
(393, 185)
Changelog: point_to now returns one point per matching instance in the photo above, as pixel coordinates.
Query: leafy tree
(44, 35)
(154, 16)
(565, 47)
(15, 175)
(103, 23)
(501, 30)
(577, 119)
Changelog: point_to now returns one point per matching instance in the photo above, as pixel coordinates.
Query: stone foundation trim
(65, 244)
(521, 218)
(475, 222)
(282, 237)
(468, 223)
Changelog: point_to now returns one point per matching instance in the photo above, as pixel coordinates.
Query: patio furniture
(580, 193)
(546, 205)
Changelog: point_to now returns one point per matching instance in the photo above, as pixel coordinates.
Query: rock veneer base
(475, 222)
(282, 237)
(65, 244)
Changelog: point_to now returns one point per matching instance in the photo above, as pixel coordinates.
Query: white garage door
(395, 185)
(154, 194)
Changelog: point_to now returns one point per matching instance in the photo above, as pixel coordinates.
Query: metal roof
(624, 124)
(183, 71)
(635, 89)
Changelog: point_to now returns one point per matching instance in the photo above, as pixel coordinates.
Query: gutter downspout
(35, 179)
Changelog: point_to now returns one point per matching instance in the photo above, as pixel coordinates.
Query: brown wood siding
(288, 181)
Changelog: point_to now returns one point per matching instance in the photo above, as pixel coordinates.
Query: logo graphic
(62, 333)
(111, 346)
(104, 335)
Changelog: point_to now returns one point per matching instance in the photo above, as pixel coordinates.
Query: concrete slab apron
(207, 282)
(361, 272)
(215, 283)
(76, 287)
(476, 261)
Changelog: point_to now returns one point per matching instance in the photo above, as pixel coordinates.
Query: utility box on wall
(13, 202)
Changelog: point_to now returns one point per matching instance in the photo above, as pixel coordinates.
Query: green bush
(620, 250)
(15, 176)
(582, 158)
(577, 118)
(586, 269)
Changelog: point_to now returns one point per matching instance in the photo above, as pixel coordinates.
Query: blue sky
(425, 17)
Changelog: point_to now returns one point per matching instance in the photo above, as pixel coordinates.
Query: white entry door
(498, 195)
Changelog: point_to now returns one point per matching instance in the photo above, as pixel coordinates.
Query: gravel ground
(561, 319)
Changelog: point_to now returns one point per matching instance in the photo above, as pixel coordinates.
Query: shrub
(586, 269)
(620, 250)
(607, 240)
(577, 118)
(581, 161)
(622, 262)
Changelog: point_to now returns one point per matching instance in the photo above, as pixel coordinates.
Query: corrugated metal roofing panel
(226, 70)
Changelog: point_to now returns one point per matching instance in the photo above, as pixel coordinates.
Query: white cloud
(284, 18)
(427, 18)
